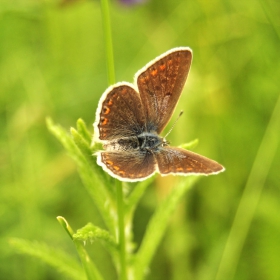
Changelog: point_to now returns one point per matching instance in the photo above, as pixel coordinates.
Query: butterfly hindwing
(173, 160)
(127, 165)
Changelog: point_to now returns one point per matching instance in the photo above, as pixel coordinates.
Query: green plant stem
(250, 198)
(121, 233)
(119, 189)
(108, 41)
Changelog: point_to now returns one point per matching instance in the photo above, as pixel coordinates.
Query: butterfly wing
(119, 114)
(160, 84)
(127, 166)
(172, 160)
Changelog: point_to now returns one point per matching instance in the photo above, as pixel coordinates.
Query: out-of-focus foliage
(52, 63)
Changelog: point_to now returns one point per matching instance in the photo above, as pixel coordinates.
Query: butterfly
(130, 118)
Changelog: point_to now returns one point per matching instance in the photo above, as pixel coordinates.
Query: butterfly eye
(165, 143)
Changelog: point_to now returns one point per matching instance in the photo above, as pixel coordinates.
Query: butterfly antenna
(180, 114)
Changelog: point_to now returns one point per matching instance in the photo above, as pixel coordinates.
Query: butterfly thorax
(149, 141)
(144, 142)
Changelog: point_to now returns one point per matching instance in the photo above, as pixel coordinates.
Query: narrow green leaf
(83, 145)
(91, 233)
(189, 146)
(65, 225)
(250, 198)
(89, 175)
(82, 129)
(55, 258)
(157, 226)
(90, 268)
(91, 159)
(136, 194)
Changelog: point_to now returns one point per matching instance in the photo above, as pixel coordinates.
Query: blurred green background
(53, 63)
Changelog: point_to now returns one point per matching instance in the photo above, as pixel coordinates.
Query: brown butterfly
(129, 119)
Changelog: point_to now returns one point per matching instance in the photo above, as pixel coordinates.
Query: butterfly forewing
(120, 113)
(160, 84)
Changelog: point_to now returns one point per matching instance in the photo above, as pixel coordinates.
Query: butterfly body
(129, 119)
